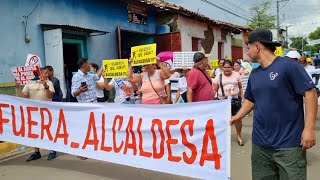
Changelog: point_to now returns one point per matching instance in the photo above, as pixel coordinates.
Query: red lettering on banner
(16, 132)
(185, 142)
(91, 127)
(214, 156)
(120, 118)
(46, 127)
(2, 119)
(103, 147)
(129, 131)
(142, 152)
(31, 122)
(170, 141)
(62, 122)
(157, 155)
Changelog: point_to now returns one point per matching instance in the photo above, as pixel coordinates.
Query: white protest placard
(33, 60)
(192, 143)
(183, 59)
(24, 74)
(244, 80)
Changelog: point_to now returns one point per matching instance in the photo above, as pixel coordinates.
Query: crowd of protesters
(281, 133)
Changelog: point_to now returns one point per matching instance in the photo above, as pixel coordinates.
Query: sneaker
(34, 156)
(52, 155)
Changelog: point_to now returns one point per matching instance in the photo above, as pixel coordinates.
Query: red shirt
(202, 89)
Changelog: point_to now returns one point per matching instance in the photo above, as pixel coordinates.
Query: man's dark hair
(271, 47)
(49, 68)
(81, 62)
(43, 68)
(95, 66)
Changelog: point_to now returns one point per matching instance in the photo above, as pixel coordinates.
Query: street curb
(14, 153)
(6, 147)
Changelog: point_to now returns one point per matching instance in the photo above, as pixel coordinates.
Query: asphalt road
(68, 167)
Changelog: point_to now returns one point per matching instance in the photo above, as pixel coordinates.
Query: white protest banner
(24, 74)
(244, 80)
(33, 60)
(183, 59)
(193, 142)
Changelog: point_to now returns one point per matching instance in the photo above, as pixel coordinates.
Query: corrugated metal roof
(76, 28)
(162, 5)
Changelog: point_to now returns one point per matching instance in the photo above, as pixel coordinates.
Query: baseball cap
(293, 55)
(263, 36)
(198, 56)
(309, 60)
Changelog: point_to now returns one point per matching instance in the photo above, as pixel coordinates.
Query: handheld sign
(142, 55)
(117, 68)
(24, 74)
(244, 80)
(214, 63)
(33, 60)
(278, 51)
(183, 59)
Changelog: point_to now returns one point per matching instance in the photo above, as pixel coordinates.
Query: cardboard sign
(183, 59)
(214, 63)
(142, 55)
(153, 137)
(244, 80)
(24, 74)
(117, 68)
(33, 60)
(278, 51)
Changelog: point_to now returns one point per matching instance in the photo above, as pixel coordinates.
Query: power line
(224, 9)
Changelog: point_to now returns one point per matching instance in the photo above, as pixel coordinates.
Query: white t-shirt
(99, 91)
(175, 75)
(123, 89)
(216, 72)
(182, 84)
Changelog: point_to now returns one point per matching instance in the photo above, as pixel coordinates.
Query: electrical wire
(26, 18)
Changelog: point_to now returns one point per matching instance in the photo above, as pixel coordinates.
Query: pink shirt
(231, 82)
(149, 96)
(202, 89)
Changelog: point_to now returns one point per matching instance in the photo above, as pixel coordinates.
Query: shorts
(278, 164)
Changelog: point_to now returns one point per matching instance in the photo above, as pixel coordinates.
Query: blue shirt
(277, 92)
(90, 80)
(57, 96)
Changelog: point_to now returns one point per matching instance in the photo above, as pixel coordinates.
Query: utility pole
(287, 38)
(278, 19)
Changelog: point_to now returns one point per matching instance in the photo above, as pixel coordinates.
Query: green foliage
(261, 19)
(315, 34)
(313, 49)
(297, 42)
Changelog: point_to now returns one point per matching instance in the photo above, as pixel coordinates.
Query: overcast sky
(302, 15)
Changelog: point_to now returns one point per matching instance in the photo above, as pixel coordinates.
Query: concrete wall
(94, 14)
(190, 28)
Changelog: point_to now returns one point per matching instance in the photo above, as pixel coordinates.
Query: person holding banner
(41, 90)
(281, 131)
(124, 90)
(152, 82)
(199, 81)
(229, 83)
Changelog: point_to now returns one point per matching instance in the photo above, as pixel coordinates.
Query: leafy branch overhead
(261, 18)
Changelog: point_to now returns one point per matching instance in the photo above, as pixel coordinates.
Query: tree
(297, 42)
(315, 34)
(261, 19)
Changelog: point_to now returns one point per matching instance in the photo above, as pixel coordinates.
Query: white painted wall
(190, 28)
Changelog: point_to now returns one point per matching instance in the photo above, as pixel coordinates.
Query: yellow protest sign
(116, 68)
(278, 51)
(214, 63)
(142, 55)
(229, 59)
